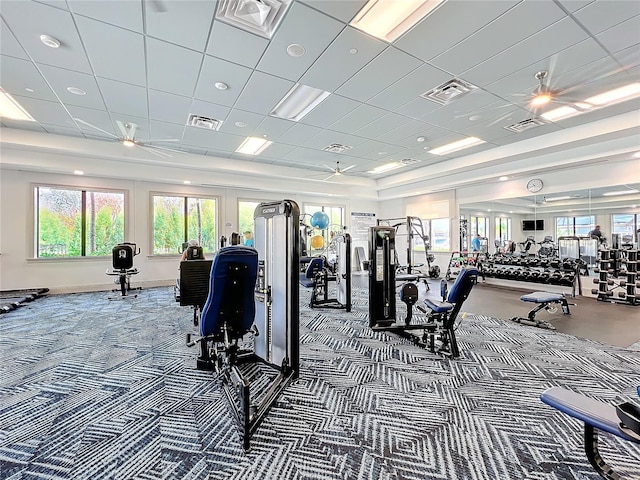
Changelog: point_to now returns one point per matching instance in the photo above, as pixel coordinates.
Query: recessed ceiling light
(637, 154)
(221, 85)
(389, 20)
(510, 211)
(30, 90)
(240, 124)
(298, 102)
(49, 41)
(488, 209)
(296, 50)
(503, 178)
(76, 91)
(10, 108)
(620, 192)
(353, 51)
(187, 182)
(458, 145)
(420, 139)
(387, 167)
(78, 172)
(253, 145)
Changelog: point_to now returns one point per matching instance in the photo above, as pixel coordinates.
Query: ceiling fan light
(128, 143)
(541, 99)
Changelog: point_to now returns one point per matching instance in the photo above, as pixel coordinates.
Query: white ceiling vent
(409, 161)
(449, 91)
(336, 148)
(203, 122)
(261, 17)
(525, 125)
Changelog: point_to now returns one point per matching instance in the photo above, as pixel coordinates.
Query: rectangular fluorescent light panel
(253, 145)
(298, 102)
(10, 108)
(388, 20)
(560, 113)
(455, 146)
(620, 192)
(555, 199)
(387, 167)
(616, 95)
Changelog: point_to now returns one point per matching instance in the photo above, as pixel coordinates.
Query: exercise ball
(320, 220)
(317, 242)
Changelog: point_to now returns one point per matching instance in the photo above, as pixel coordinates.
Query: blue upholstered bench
(543, 300)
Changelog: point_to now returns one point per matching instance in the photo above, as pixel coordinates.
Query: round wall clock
(534, 185)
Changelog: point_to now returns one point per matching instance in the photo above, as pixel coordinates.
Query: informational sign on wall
(360, 224)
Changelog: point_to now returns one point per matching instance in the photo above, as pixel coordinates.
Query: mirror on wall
(507, 224)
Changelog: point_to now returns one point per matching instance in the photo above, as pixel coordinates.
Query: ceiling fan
(128, 138)
(337, 171)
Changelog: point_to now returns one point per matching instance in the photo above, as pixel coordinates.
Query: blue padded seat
(231, 292)
(307, 277)
(456, 293)
(541, 297)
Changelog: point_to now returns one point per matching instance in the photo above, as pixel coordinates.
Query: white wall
(20, 270)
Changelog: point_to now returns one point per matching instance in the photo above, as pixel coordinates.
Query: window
(574, 226)
(78, 223)
(503, 229)
(479, 226)
(246, 209)
(626, 225)
(180, 219)
(439, 234)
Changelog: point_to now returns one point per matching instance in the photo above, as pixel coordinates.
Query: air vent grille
(409, 161)
(199, 121)
(449, 91)
(525, 125)
(261, 17)
(336, 148)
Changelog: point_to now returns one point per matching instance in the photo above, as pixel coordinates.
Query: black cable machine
(254, 292)
(122, 262)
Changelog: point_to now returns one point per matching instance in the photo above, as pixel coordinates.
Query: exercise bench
(622, 421)
(544, 300)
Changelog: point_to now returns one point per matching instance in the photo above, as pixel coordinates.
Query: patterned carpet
(99, 389)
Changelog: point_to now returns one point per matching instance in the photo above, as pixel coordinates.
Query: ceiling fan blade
(157, 147)
(332, 175)
(123, 130)
(553, 62)
(329, 168)
(500, 118)
(79, 120)
(157, 6)
(154, 152)
(161, 140)
(345, 169)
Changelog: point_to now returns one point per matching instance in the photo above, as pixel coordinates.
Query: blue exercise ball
(320, 220)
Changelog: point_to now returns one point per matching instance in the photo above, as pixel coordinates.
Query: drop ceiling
(153, 63)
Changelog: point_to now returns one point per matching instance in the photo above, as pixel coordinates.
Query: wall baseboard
(102, 287)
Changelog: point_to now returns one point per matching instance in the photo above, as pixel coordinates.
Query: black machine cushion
(122, 257)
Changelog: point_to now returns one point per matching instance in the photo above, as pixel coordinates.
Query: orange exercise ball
(317, 242)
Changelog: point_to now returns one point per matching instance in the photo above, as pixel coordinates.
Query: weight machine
(254, 293)
(122, 262)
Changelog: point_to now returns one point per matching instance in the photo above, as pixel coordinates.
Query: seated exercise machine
(318, 274)
(622, 420)
(122, 262)
(544, 300)
(439, 323)
(249, 327)
(192, 288)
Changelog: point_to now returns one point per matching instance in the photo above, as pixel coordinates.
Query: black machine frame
(338, 272)
(122, 262)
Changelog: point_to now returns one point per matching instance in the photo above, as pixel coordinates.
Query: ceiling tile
(28, 20)
(126, 15)
(547, 42)
(375, 150)
(71, 131)
(387, 68)
(573, 5)
(262, 93)
(120, 58)
(534, 132)
(277, 150)
(217, 70)
(31, 126)
(329, 137)
(60, 79)
(251, 121)
(407, 131)
(171, 68)
(185, 23)
(208, 109)
(298, 134)
(305, 26)
(16, 75)
(421, 80)
(469, 15)
(382, 125)
(235, 45)
(100, 120)
(167, 107)
(273, 128)
(623, 35)
(629, 57)
(330, 111)
(466, 106)
(163, 130)
(418, 108)
(8, 43)
(212, 140)
(339, 9)
(358, 118)
(336, 65)
(124, 98)
(602, 15)
(43, 111)
(517, 24)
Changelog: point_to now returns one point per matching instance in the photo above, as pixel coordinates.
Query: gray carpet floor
(99, 389)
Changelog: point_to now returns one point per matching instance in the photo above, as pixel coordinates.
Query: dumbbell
(596, 281)
(622, 294)
(623, 283)
(594, 291)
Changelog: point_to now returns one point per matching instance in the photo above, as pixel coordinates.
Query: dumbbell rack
(612, 273)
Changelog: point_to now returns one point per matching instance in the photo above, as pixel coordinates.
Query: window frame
(185, 228)
(571, 225)
(634, 227)
(83, 189)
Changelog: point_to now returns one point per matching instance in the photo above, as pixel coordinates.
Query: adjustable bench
(596, 416)
(544, 300)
